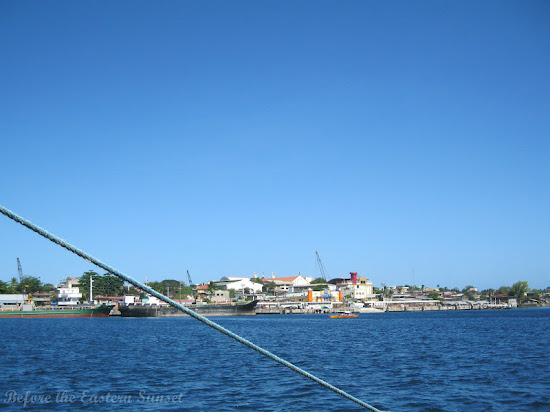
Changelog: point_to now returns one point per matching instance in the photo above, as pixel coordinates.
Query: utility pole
(91, 298)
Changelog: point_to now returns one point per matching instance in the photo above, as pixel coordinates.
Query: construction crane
(321, 266)
(190, 283)
(20, 270)
(21, 280)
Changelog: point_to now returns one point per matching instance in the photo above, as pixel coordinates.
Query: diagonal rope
(188, 311)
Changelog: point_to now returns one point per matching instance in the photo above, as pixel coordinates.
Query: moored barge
(212, 309)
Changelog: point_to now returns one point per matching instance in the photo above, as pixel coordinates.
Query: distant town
(288, 294)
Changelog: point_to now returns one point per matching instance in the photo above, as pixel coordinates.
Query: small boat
(344, 315)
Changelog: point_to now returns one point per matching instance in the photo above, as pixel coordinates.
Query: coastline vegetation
(110, 285)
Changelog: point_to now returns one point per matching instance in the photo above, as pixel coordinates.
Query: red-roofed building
(287, 280)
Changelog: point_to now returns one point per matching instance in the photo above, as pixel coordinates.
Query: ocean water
(429, 361)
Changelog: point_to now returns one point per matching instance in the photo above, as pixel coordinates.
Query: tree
(111, 285)
(106, 285)
(269, 287)
(257, 280)
(5, 287)
(469, 292)
(503, 290)
(48, 287)
(84, 284)
(488, 292)
(14, 285)
(172, 285)
(30, 284)
(211, 287)
(185, 291)
(434, 296)
(519, 289)
(158, 286)
(318, 280)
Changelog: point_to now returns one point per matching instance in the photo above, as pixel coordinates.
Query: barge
(212, 309)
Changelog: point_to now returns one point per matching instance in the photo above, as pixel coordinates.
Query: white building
(356, 288)
(239, 283)
(68, 296)
(220, 296)
(358, 291)
(12, 300)
(287, 280)
(68, 293)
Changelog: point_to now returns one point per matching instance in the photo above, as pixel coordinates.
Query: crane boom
(189, 278)
(321, 266)
(20, 270)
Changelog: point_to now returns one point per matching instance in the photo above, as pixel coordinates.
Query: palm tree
(211, 287)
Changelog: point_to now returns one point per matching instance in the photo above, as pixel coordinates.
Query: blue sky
(227, 138)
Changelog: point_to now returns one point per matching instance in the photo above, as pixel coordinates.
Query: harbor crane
(189, 279)
(20, 270)
(321, 266)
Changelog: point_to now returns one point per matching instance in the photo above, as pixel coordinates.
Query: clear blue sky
(233, 137)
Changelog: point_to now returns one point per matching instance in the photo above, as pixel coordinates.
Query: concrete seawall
(387, 307)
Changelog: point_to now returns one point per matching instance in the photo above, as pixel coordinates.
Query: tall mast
(91, 298)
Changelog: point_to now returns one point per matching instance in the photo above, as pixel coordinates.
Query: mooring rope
(166, 299)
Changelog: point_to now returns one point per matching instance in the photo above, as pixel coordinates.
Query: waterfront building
(287, 280)
(238, 283)
(358, 292)
(11, 300)
(41, 298)
(505, 299)
(354, 287)
(288, 284)
(220, 296)
(324, 296)
(68, 293)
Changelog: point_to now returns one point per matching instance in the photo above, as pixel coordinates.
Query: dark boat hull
(155, 311)
(95, 312)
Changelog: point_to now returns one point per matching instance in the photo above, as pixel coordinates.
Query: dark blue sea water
(440, 361)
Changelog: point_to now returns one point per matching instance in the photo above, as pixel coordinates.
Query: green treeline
(102, 285)
(110, 285)
(29, 284)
